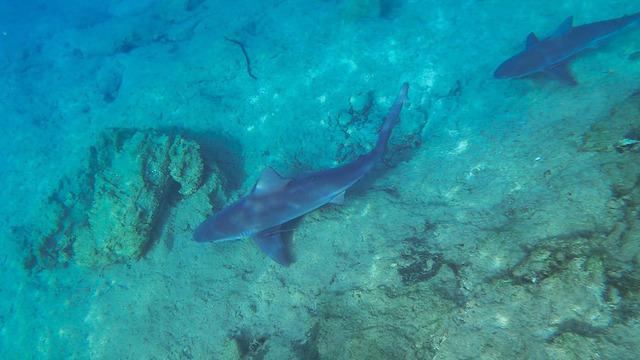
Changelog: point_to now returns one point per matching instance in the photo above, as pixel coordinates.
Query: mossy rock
(110, 211)
(617, 131)
(186, 166)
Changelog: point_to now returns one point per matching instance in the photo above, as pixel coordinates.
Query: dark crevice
(417, 265)
(554, 252)
(168, 202)
(421, 266)
(577, 327)
(251, 347)
(308, 348)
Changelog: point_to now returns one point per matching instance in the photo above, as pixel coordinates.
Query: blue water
(501, 224)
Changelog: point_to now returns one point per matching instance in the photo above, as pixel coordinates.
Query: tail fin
(391, 120)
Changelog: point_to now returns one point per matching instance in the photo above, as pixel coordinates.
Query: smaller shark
(275, 202)
(552, 55)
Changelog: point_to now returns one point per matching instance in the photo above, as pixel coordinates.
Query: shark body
(275, 201)
(552, 55)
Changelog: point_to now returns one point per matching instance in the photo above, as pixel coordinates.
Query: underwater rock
(619, 131)
(385, 322)
(109, 80)
(546, 260)
(622, 170)
(578, 309)
(360, 105)
(128, 190)
(53, 233)
(526, 319)
(622, 341)
(421, 266)
(250, 346)
(537, 266)
(571, 346)
(554, 270)
(418, 264)
(631, 142)
(111, 211)
(186, 165)
(356, 131)
(190, 211)
(358, 124)
(230, 349)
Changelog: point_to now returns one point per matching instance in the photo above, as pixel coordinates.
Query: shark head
(522, 64)
(527, 62)
(226, 225)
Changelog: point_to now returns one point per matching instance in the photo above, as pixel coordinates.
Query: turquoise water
(502, 223)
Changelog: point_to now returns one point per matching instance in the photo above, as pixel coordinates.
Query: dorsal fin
(269, 181)
(532, 40)
(564, 27)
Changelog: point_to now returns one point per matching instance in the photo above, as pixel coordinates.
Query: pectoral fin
(276, 241)
(270, 241)
(562, 73)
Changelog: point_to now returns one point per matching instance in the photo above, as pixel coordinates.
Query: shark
(552, 55)
(274, 202)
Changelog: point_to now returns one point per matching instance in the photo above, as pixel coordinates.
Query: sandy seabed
(503, 222)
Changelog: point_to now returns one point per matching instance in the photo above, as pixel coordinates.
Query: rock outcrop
(111, 211)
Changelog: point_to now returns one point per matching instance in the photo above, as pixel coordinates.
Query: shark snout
(212, 230)
(500, 74)
(222, 227)
(203, 233)
(504, 71)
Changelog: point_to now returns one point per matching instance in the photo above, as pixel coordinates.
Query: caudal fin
(392, 119)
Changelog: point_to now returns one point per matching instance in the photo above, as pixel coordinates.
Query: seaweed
(246, 56)
(423, 265)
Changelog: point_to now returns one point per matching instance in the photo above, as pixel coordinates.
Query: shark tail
(391, 120)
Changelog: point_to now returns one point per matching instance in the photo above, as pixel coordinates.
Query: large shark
(275, 201)
(552, 55)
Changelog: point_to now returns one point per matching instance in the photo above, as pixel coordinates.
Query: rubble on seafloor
(619, 131)
(572, 294)
(111, 211)
(357, 130)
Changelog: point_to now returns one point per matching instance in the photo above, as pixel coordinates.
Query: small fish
(552, 55)
(275, 201)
